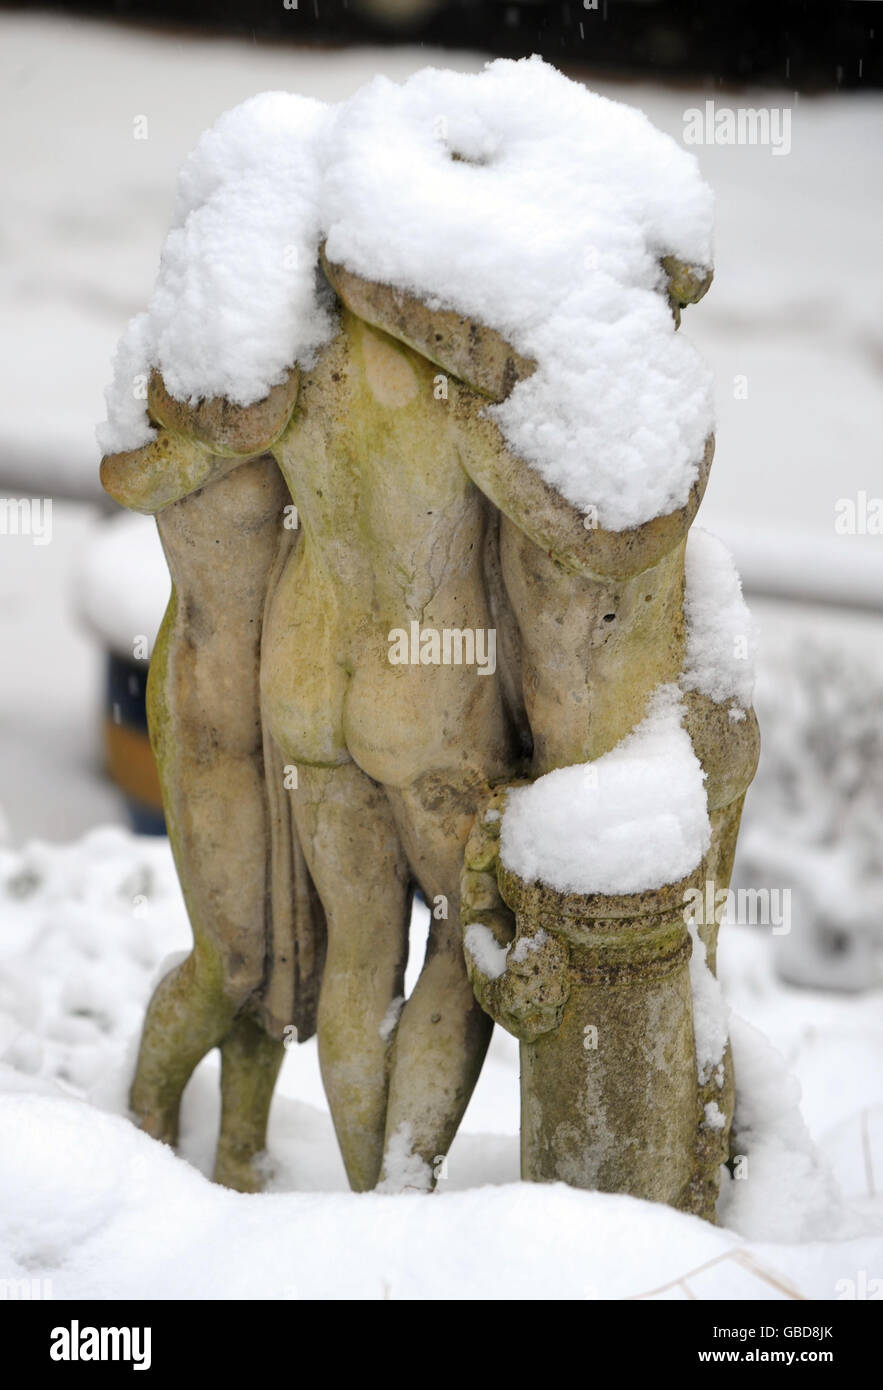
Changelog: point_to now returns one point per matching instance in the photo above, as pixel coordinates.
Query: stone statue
(388, 628)
(274, 658)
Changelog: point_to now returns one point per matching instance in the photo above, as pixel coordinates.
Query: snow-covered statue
(424, 449)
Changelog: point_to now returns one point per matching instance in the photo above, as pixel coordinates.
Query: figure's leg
(217, 825)
(204, 712)
(250, 1062)
(222, 864)
(353, 852)
(188, 1015)
(443, 1032)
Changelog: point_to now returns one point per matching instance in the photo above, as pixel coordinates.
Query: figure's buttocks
(393, 532)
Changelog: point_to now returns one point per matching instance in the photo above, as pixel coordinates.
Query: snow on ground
(98, 1209)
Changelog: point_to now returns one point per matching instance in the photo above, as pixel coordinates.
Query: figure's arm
(539, 510)
(162, 472)
(520, 980)
(195, 445)
(554, 525)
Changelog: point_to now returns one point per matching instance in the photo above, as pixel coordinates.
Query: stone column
(597, 988)
(608, 1097)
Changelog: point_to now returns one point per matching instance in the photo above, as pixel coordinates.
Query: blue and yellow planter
(122, 589)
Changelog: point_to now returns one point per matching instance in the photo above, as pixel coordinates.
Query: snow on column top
(632, 820)
(721, 635)
(515, 197)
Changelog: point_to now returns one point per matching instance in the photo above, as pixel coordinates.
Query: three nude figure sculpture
(309, 782)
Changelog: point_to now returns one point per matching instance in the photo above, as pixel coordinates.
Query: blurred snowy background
(793, 329)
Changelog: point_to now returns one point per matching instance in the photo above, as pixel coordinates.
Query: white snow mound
(99, 1210)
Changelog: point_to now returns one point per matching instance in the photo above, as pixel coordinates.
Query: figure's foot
(159, 1124)
(186, 1017)
(389, 1188)
(404, 1169)
(241, 1172)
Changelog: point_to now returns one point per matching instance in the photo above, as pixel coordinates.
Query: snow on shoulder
(631, 821)
(236, 302)
(721, 636)
(542, 210)
(514, 196)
